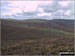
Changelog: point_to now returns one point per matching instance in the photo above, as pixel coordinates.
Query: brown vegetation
(36, 38)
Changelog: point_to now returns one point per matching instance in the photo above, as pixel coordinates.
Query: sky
(50, 9)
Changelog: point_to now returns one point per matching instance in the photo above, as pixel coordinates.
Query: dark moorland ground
(36, 36)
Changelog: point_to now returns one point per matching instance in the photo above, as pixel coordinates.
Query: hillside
(35, 34)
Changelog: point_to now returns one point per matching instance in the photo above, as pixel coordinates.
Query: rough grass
(36, 20)
(39, 38)
(44, 46)
(58, 31)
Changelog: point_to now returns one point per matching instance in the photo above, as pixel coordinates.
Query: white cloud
(40, 10)
(59, 13)
(37, 8)
(64, 3)
(44, 14)
(26, 6)
(67, 13)
(6, 13)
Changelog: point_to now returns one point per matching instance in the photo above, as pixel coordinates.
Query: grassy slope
(32, 35)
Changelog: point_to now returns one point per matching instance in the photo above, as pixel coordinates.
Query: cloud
(59, 13)
(67, 13)
(28, 6)
(38, 9)
(44, 14)
(18, 6)
(64, 3)
(7, 13)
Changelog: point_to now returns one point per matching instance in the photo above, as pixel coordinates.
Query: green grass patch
(57, 31)
(36, 20)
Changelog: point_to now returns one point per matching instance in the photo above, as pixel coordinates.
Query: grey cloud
(28, 13)
(50, 7)
(59, 13)
(53, 7)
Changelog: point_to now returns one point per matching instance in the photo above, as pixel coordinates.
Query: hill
(34, 34)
